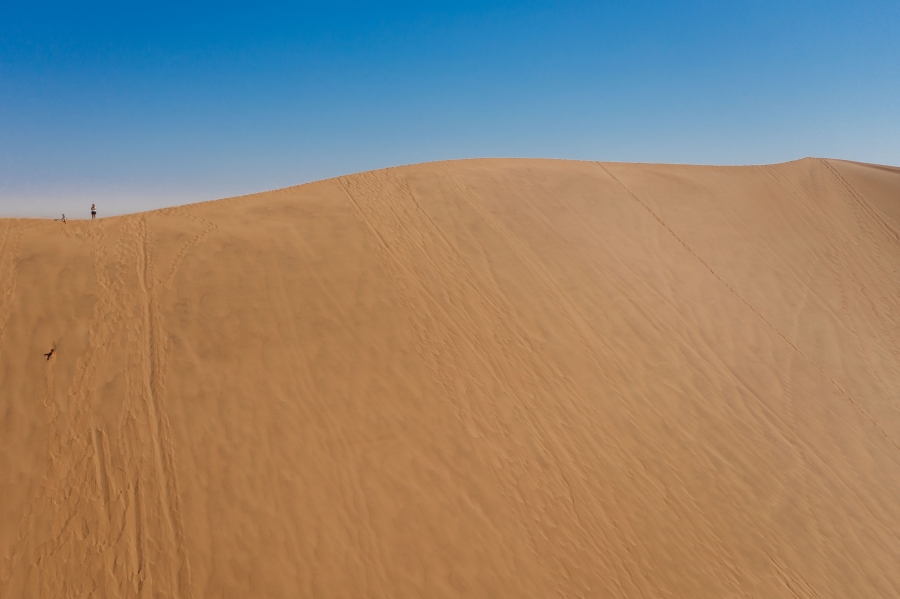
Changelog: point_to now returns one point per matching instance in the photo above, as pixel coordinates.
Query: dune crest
(484, 378)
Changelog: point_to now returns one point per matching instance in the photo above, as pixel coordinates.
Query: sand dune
(486, 378)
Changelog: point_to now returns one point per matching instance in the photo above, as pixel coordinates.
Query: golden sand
(485, 378)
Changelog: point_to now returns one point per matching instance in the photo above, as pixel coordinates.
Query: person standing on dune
(93, 211)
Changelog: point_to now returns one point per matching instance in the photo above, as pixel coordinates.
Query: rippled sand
(485, 378)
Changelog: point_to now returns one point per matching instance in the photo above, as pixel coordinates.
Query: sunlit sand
(484, 378)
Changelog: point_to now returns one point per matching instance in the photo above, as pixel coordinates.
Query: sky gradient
(165, 104)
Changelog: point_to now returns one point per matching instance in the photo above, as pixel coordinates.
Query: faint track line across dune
(861, 200)
(850, 256)
(564, 304)
(840, 253)
(754, 310)
(858, 203)
(799, 445)
(463, 323)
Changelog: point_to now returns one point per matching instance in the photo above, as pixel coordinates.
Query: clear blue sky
(161, 104)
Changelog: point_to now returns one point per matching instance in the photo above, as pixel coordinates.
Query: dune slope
(486, 378)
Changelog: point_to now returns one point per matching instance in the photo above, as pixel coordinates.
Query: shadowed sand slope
(488, 378)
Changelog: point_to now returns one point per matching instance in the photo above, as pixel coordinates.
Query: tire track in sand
(155, 395)
(108, 484)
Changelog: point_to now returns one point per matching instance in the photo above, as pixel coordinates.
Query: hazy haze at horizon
(141, 108)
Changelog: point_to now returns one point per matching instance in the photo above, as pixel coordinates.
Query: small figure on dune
(64, 218)
(93, 211)
(50, 353)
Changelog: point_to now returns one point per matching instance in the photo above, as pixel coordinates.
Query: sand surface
(486, 378)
